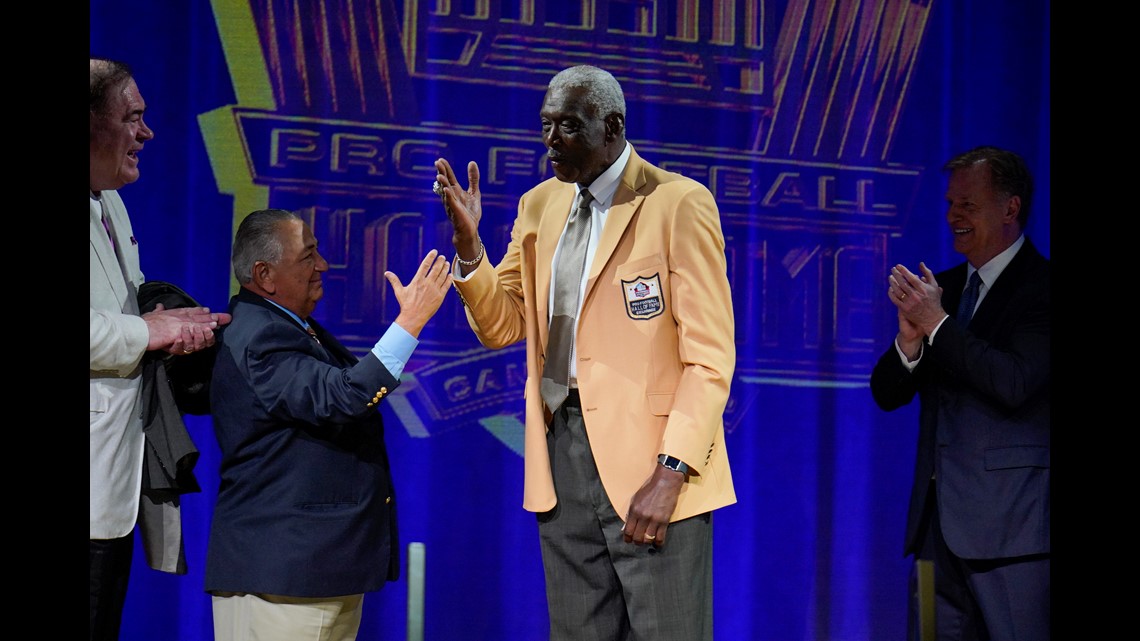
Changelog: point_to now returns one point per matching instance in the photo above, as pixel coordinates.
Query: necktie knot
(583, 208)
(312, 332)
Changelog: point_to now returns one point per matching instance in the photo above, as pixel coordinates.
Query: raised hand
(464, 208)
(420, 299)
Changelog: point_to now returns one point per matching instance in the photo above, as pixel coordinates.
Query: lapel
(1002, 290)
(101, 244)
(626, 202)
(331, 344)
(328, 345)
(550, 226)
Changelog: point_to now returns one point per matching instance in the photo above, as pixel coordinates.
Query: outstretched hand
(420, 299)
(464, 207)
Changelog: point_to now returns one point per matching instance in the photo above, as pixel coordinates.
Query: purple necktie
(110, 234)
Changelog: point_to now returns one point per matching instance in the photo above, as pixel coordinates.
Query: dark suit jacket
(984, 427)
(306, 506)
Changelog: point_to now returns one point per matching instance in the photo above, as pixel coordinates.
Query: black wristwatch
(673, 463)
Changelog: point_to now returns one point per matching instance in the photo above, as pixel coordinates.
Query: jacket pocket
(99, 400)
(1003, 458)
(646, 266)
(660, 403)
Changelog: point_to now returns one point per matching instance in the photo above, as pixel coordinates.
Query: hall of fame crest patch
(643, 298)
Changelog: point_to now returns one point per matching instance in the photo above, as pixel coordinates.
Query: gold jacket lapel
(550, 228)
(626, 202)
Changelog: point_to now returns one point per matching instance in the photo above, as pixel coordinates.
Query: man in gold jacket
(625, 472)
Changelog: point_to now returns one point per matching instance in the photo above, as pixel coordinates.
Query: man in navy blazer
(979, 507)
(305, 521)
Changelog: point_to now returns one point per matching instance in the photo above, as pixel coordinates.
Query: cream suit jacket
(653, 372)
(119, 339)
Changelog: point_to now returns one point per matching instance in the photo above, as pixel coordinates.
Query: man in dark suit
(979, 508)
(305, 519)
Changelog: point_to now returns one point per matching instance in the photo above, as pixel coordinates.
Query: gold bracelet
(474, 261)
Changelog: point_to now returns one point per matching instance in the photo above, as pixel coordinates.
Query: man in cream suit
(119, 339)
(626, 471)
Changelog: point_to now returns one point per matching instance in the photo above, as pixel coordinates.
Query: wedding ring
(902, 296)
(650, 537)
(187, 351)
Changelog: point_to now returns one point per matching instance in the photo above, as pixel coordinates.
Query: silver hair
(603, 92)
(257, 239)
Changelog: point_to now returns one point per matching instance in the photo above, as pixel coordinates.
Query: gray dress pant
(600, 588)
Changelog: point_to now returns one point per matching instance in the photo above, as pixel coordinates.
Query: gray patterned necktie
(567, 283)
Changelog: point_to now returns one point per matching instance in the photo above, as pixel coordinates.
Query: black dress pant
(984, 599)
(110, 571)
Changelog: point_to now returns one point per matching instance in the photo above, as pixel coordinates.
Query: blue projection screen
(820, 128)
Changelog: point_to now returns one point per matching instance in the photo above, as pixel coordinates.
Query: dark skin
(581, 145)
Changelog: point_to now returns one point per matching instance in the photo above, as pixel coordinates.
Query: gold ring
(650, 537)
(902, 295)
(187, 351)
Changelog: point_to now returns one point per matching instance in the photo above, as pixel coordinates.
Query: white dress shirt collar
(605, 186)
(996, 265)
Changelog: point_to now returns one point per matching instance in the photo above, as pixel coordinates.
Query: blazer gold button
(388, 500)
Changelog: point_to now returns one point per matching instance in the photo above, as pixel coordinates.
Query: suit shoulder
(546, 189)
(1041, 264)
(657, 173)
(1030, 266)
(536, 199)
(674, 183)
(254, 323)
(241, 309)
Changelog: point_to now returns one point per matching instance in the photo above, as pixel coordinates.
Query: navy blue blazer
(305, 505)
(984, 419)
